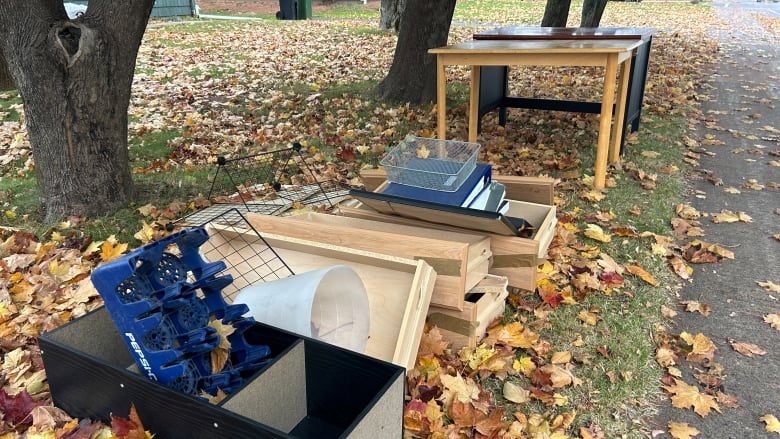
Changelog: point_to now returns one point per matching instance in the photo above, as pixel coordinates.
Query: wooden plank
(399, 289)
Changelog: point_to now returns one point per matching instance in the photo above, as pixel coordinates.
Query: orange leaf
(642, 274)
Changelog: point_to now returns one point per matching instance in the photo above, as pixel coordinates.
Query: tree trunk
(592, 10)
(425, 24)
(74, 78)
(556, 13)
(390, 14)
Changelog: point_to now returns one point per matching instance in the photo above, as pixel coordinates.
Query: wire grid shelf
(282, 177)
(249, 258)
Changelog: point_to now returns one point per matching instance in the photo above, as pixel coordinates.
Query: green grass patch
(10, 104)
(347, 10)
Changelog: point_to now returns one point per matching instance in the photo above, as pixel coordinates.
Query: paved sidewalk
(744, 113)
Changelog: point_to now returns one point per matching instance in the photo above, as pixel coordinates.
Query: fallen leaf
(772, 424)
(694, 306)
(593, 231)
(769, 286)
(773, 320)
(681, 430)
(642, 274)
(746, 349)
(686, 396)
(515, 393)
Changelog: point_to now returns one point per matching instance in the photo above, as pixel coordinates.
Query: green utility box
(304, 9)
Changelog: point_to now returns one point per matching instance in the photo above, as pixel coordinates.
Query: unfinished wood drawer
(514, 257)
(461, 260)
(399, 289)
(484, 303)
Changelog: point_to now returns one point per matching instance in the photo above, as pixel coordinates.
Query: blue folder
(478, 180)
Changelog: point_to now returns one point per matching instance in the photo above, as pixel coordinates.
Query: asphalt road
(744, 113)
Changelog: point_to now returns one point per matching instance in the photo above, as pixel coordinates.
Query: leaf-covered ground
(222, 88)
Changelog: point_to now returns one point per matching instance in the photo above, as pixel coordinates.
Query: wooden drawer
(514, 257)
(460, 260)
(399, 289)
(466, 328)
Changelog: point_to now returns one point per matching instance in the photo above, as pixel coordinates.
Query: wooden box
(484, 303)
(399, 289)
(310, 389)
(460, 260)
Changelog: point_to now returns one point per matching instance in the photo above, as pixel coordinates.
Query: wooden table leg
(441, 99)
(605, 120)
(618, 128)
(474, 104)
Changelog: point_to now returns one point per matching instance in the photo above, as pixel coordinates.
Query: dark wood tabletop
(565, 33)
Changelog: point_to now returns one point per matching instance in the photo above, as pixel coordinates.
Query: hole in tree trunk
(69, 38)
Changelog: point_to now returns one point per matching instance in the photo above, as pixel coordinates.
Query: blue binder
(478, 180)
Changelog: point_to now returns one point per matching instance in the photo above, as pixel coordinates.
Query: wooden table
(494, 85)
(614, 55)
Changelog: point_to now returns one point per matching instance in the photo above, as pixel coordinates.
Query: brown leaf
(642, 274)
(746, 349)
(773, 320)
(694, 306)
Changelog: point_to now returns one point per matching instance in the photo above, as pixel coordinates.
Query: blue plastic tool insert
(162, 297)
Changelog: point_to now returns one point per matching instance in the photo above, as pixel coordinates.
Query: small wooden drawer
(484, 303)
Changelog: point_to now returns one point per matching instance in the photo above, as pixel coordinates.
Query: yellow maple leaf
(769, 285)
(588, 317)
(685, 396)
(773, 320)
(219, 355)
(146, 234)
(681, 430)
(525, 365)
(593, 231)
(772, 424)
(700, 344)
(111, 250)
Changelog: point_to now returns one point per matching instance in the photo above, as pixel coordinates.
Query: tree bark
(390, 14)
(556, 13)
(74, 78)
(592, 10)
(425, 24)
